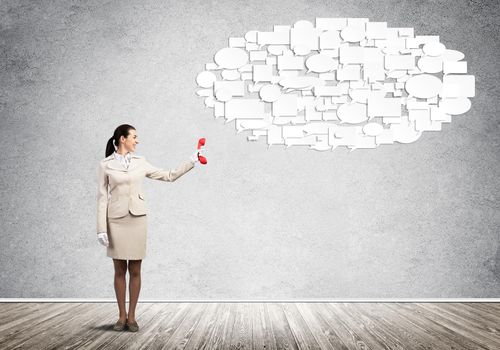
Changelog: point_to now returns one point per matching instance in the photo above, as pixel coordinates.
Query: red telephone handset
(201, 143)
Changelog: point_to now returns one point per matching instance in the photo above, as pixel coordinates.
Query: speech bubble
(353, 34)
(373, 129)
(429, 64)
(276, 50)
(206, 79)
(452, 55)
(230, 74)
(270, 93)
(424, 86)
(209, 102)
(321, 63)
(434, 49)
(231, 58)
(301, 50)
(405, 132)
(242, 125)
(352, 113)
(303, 82)
(223, 94)
(455, 106)
(205, 92)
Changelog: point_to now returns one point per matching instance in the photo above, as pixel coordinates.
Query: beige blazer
(125, 186)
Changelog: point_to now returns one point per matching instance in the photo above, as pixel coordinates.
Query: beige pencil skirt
(127, 237)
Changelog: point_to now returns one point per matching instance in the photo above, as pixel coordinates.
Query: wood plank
(228, 329)
(325, 335)
(7, 308)
(216, 338)
(165, 330)
(489, 308)
(361, 336)
(181, 336)
(281, 329)
(262, 330)
(156, 325)
(27, 319)
(495, 307)
(486, 317)
(17, 311)
(207, 321)
(83, 327)
(473, 333)
(477, 318)
(440, 333)
(300, 330)
(37, 325)
(371, 322)
(345, 333)
(413, 334)
(241, 336)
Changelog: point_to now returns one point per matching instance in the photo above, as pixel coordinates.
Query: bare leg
(121, 286)
(134, 270)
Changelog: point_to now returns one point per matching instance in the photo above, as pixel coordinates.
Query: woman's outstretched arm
(155, 173)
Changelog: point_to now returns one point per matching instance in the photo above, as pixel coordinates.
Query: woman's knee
(120, 268)
(134, 268)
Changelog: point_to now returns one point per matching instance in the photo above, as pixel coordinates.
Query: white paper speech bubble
(206, 79)
(353, 33)
(230, 74)
(352, 113)
(424, 86)
(270, 93)
(434, 49)
(231, 58)
(223, 94)
(301, 82)
(373, 129)
(321, 63)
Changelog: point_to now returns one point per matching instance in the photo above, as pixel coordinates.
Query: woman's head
(124, 137)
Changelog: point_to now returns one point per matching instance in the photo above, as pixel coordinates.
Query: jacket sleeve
(155, 173)
(102, 200)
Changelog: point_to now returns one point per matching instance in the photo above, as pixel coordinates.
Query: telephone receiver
(201, 143)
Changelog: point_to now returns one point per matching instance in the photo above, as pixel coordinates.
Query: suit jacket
(125, 186)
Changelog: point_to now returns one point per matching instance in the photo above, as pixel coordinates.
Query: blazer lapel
(134, 162)
(116, 165)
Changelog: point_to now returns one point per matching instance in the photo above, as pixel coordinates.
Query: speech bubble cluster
(341, 82)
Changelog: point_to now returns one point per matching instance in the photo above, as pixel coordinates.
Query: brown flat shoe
(119, 326)
(133, 326)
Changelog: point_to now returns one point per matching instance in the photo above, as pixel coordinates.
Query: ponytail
(110, 148)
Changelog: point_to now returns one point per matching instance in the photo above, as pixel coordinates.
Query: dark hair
(122, 130)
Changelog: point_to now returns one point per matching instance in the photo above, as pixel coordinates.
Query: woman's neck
(121, 152)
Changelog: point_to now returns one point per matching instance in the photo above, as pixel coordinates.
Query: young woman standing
(122, 213)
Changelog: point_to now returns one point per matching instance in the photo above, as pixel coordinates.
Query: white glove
(103, 238)
(194, 157)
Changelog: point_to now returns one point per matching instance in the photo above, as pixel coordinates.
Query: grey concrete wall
(401, 221)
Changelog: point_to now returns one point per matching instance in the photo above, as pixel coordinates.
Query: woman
(121, 214)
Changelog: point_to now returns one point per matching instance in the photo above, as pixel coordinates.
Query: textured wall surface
(401, 221)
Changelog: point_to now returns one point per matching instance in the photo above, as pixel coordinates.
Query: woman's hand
(103, 238)
(194, 156)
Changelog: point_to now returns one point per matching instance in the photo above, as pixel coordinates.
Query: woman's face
(131, 140)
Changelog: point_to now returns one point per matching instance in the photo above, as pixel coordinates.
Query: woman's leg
(134, 270)
(121, 286)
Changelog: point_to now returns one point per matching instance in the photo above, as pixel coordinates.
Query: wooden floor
(253, 326)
